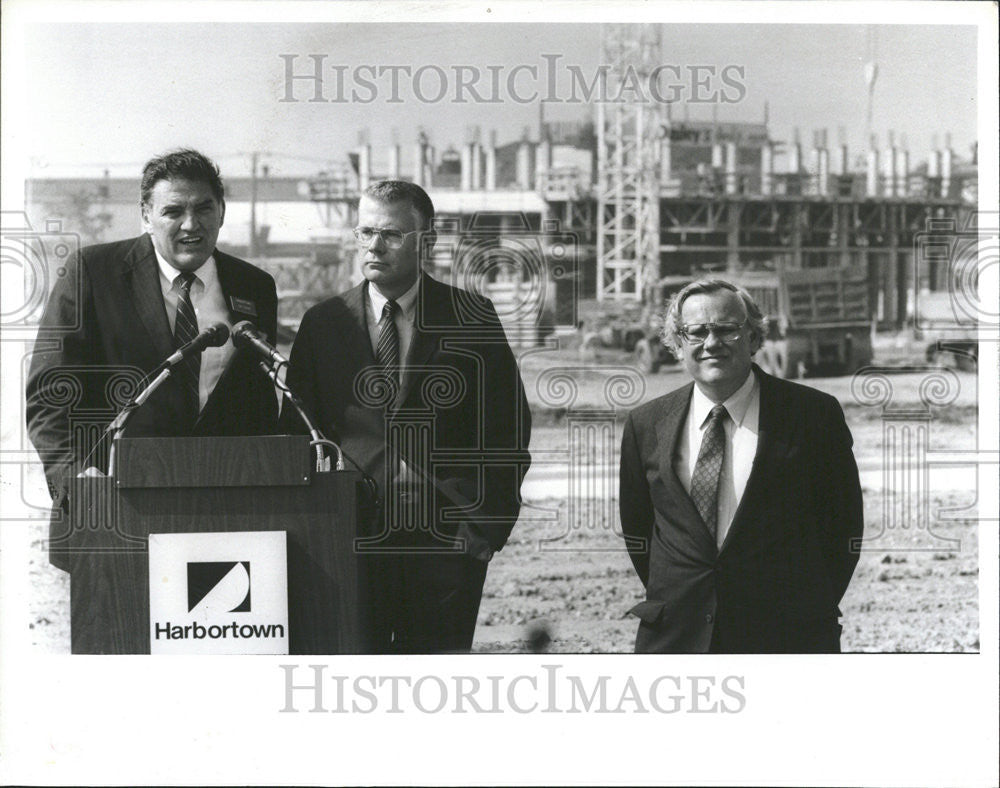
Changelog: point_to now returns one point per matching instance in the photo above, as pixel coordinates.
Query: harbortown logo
(215, 584)
(215, 587)
(201, 599)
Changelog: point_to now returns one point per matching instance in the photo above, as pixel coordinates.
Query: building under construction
(575, 221)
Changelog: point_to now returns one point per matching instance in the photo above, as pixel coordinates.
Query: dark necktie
(387, 353)
(708, 469)
(185, 330)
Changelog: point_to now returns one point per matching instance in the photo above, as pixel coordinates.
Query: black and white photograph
(386, 373)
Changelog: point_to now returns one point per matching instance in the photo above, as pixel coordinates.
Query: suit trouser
(736, 636)
(423, 597)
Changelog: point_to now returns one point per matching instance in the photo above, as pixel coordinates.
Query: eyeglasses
(697, 333)
(393, 239)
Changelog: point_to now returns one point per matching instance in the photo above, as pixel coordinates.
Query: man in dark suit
(123, 307)
(739, 499)
(417, 383)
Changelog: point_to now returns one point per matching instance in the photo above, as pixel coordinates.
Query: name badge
(243, 305)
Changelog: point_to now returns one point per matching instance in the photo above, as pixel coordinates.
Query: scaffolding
(628, 134)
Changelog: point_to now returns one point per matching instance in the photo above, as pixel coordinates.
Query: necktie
(186, 329)
(387, 353)
(708, 469)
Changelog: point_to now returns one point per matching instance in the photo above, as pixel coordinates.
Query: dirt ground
(565, 589)
(575, 591)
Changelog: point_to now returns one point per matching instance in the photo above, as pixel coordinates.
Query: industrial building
(599, 217)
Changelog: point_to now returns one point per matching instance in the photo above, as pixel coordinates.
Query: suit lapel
(770, 444)
(240, 301)
(670, 427)
(430, 311)
(142, 279)
(360, 339)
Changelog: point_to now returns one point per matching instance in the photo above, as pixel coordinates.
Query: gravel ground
(576, 590)
(561, 591)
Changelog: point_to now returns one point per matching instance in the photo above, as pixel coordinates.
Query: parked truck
(946, 323)
(819, 321)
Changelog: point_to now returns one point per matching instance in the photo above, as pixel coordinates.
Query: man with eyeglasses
(417, 383)
(739, 494)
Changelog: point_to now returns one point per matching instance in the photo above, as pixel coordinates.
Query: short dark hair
(672, 320)
(403, 191)
(183, 163)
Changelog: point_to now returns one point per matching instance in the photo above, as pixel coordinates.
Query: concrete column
(491, 166)
(364, 166)
(476, 154)
(733, 263)
(394, 162)
(823, 171)
(871, 174)
(418, 164)
(934, 164)
(946, 172)
(902, 167)
(795, 158)
(524, 166)
(767, 169)
(731, 168)
(841, 165)
(543, 161)
(466, 167)
(717, 156)
(889, 171)
(430, 166)
(665, 163)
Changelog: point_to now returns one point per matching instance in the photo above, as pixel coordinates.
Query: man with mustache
(122, 308)
(740, 499)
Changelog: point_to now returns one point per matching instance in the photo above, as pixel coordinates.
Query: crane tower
(629, 133)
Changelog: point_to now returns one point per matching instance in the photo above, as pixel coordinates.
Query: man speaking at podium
(416, 382)
(124, 307)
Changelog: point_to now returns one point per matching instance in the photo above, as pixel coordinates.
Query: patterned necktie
(387, 353)
(186, 329)
(708, 469)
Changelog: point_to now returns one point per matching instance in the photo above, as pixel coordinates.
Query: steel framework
(628, 133)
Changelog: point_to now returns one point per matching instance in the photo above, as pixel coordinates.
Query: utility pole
(871, 73)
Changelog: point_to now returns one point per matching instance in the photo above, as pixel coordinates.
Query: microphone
(246, 334)
(213, 336)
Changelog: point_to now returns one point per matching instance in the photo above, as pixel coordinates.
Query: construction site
(585, 228)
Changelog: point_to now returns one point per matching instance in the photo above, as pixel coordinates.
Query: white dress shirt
(741, 445)
(209, 307)
(405, 317)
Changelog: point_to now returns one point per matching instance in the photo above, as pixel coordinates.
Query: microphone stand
(118, 425)
(317, 440)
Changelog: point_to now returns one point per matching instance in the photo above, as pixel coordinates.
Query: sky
(109, 95)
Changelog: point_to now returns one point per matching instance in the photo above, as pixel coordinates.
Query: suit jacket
(104, 327)
(788, 557)
(460, 410)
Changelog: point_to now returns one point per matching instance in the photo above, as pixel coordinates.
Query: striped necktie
(387, 353)
(708, 469)
(185, 330)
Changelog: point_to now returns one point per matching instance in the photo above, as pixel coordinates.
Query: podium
(220, 484)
